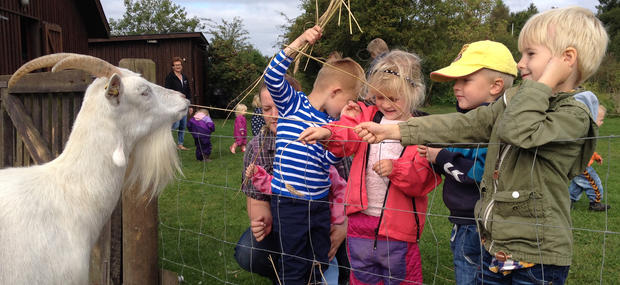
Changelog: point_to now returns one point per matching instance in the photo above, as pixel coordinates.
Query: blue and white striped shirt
(304, 167)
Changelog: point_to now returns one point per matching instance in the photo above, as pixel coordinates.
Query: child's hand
(337, 233)
(251, 170)
(383, 167)
(373, 133)
(351, 109)
(261, 227)
(429, 152)
(313, 134)
(556, 71)
(310, 36)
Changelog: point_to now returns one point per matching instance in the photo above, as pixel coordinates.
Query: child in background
(241, 129)
(388, 185)
(481, 72)
(589, 181)
(257, 120)
(535, 147)
(300, 181)
(201, 126)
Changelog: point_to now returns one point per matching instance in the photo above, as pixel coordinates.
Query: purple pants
(392, 262)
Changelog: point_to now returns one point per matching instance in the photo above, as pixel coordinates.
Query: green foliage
(609, 13)
(435, 30)
(233, 64)
(153, 17)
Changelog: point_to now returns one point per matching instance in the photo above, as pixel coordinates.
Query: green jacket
(534, 149)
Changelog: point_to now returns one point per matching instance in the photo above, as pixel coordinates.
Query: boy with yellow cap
(481, 72)
(540, 136)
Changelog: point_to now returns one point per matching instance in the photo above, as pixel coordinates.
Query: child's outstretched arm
(374, 133)
(314, 134)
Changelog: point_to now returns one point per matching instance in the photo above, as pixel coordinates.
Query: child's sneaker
(598, 206)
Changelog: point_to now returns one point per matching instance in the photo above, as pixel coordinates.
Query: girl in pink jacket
(386, 197)
(241, 129)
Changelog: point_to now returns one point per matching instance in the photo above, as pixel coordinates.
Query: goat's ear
(113, 89)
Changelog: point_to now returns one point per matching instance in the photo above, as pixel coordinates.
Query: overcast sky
(262, 18)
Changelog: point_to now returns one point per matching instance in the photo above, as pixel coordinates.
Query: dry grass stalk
(333, 7)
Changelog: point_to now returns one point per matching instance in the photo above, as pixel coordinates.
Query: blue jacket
(462, 169)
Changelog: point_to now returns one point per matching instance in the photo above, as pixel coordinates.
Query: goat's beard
(152, 163)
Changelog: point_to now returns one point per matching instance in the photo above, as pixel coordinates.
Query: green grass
(203, 214)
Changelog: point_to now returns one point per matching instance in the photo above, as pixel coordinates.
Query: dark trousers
(303, 227)
(253, 256)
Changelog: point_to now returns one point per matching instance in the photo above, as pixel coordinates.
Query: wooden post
(140, 254)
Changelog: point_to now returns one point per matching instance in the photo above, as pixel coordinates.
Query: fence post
(139, 214)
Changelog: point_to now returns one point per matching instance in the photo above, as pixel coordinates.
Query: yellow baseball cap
(476, 56)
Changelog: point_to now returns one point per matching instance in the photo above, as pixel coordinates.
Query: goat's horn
(95, 66)
(37, 63)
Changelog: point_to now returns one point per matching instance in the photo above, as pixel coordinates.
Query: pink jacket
(412, 178)
(262, 181)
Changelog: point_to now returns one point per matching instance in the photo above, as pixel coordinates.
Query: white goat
(51, 214)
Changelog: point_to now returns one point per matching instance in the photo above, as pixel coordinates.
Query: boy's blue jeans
(553, 274)
(466, 249)
(180, 125)
(253, 256)
(580, 184)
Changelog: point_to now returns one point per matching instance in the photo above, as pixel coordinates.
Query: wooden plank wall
(65, 14)
(161, 53)
(52, 100)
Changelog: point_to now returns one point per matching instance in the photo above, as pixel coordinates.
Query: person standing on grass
(301, 182)
(481, 72)
(540, 137)
(240, 131)
(177, 81)
(589, 181)
(200, 127)
(388, 186)
(257, 243)
(257, 120)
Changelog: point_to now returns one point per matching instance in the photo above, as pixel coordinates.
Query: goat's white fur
(51, 214)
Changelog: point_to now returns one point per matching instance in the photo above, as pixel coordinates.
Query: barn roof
(96, 22)
(198, 36)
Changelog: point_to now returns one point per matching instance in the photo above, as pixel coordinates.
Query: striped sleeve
(284, 95)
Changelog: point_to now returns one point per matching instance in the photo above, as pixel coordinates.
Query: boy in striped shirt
(300, 208)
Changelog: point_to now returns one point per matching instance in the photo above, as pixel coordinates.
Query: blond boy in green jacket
(539, 138)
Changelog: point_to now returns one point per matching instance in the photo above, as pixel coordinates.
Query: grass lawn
(203, 214)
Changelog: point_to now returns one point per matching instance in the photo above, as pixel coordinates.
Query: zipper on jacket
(383, 208)
(498, 165)
(376, 119)
(417, 220)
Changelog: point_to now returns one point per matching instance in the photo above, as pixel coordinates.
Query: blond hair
(241, 109)
(204, 111)
(376, 47)
(398, 73)
(256, 100)
(493, 74)
(558, 29)
(344, 72)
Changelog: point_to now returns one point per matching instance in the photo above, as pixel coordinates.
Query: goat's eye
(145, 93)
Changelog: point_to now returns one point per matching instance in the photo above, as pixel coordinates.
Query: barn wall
(64, 13)
(161, 53)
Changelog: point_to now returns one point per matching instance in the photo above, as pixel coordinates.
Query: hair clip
(396, 73)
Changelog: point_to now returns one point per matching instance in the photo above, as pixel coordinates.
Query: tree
(518, 19)
(435, 30)
(609, 14)
(154, 17)
(233, 63)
